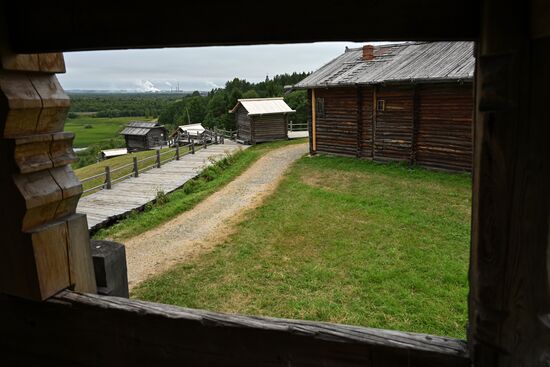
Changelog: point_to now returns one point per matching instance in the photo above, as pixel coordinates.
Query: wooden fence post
(136, 170)
(158, 158)
(192, 147)
(108, 183)
(216, 136)
(177, 152)
(204, 141)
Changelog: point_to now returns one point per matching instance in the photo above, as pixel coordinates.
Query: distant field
(102, 130)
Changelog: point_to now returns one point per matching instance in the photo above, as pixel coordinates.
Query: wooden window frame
(380, 105)
(509, 298)
(320, 107)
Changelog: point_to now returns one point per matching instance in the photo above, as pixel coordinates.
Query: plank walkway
(133, 193)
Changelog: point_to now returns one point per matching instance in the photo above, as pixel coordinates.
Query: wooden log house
(410, 102)
(261, 119)
(49, 312)
(142, 135)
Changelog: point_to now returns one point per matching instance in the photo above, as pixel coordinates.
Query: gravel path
(212, 220)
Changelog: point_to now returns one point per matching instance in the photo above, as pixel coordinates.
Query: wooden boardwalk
(106, 205)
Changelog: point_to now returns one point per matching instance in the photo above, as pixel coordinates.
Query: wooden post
(204, 141)
(158, 158)
(359, 122)
(192, 147)
(416, 106)
(216, 136)
(108, 183)
(45, 244)
(373, 127)
(313, 121)
(509, 300)
(177, 152)
(136, 169)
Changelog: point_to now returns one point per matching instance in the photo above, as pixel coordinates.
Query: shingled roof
(263, 106)
(139, 127)
(413, 61)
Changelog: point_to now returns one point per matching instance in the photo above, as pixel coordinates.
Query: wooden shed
(261, 119)
(140, 135)
(409, 102)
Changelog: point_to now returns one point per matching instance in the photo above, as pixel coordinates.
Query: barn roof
(108, 153)
(139, 127)
(263, 106)
(412, 61)
(191, 127)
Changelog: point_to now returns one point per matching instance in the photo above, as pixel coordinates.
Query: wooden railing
(293, 126)
(228, 134)
(110, 176)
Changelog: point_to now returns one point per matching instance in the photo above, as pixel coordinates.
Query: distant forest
(122, 104)
(212, 110)
(179, 109)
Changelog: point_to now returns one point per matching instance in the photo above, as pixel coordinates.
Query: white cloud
(146, 86)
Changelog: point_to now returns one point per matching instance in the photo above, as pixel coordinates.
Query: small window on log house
(320, 107)
(380, 105)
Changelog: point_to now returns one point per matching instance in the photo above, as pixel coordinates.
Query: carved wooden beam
(45, 245)
(77, 329)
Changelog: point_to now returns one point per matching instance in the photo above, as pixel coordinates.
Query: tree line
(122, 104)
(212, 110)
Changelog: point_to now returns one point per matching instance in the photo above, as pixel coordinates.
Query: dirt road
(206, 225)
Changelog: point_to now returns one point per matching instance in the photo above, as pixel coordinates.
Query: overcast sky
(200, 68)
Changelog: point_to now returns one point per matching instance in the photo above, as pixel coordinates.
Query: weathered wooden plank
(81, 270)
(509, 299)
(143, 334)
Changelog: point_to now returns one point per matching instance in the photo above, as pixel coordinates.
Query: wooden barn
(140, 135)
(410, 102)
(261, 119)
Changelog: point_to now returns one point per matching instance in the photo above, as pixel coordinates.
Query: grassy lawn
(102, 129)
(209, 181)
(117, 163)
(341, 240)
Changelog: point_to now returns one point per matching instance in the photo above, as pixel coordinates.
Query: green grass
(193, 192)
(117, 163)
(341, 240)
(102, 129)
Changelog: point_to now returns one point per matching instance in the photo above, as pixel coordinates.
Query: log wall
(337, 129)
(429, 125)
(366, 96)
(244, 125)
(394, 125)
(444, 131)
(270, 127)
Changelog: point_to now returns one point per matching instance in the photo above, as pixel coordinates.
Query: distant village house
(409, 102)
(140, 135)
(261, 119)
